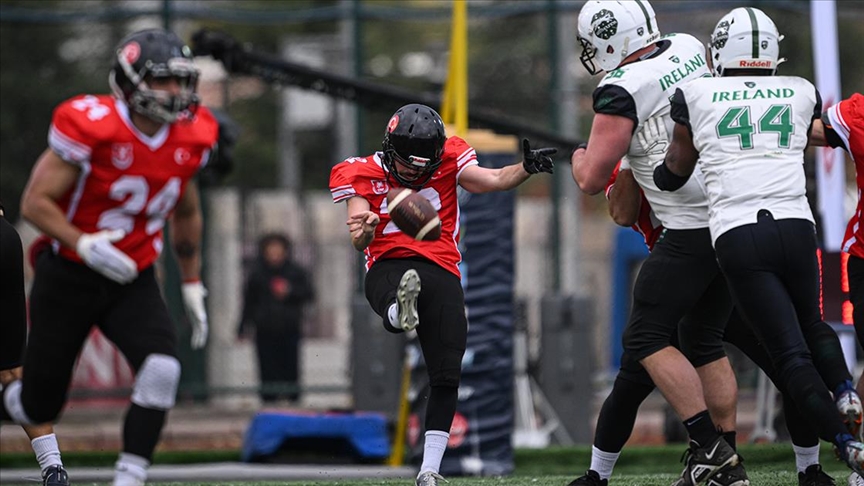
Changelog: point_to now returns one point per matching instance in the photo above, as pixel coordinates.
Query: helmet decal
(393, 123)
(131, 52)
(610, 31)
(605, 24)
(647, 18)
(755, 25)
(745, 38)
(721, 35)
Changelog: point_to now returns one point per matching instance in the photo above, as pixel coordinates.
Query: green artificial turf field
(767, 465)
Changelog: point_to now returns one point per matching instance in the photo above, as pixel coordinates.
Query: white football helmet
(610, 31)
(745, 38)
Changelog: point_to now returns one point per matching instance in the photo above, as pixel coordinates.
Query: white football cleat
(850, 408)
(855, 479)
(406, 299)
(429, 479)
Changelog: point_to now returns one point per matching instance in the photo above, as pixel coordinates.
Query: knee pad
(156, 382)
(12, 402)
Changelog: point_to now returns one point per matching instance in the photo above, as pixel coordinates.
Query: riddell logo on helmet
(754, 64)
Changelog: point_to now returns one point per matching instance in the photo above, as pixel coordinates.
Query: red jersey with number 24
(366, 177)
(128, 180)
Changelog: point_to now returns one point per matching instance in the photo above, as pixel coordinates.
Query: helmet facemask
(414, 140)
(587, 57)
(610, 31)
(421, 169)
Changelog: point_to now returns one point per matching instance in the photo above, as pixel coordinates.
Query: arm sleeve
(612, 99)
(679, 111)
(69, 136)
(342, 182)
(817, 110)
(831, 136)
(464, 153)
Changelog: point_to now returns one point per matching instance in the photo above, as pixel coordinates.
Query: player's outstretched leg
(406, 298)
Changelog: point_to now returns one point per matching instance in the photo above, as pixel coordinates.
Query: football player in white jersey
(681, 276)
(749, 130)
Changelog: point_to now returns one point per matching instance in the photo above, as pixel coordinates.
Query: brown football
(413, 214)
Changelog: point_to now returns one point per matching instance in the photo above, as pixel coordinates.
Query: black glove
(538, 160)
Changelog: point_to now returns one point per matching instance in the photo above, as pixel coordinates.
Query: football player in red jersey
(13, 328)
(842, 125)
(116, 168)
(417, 154)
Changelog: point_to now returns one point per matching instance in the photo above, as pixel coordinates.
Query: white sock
(805, 456)
(130, 470)
(393, 315)
(433, 450)
(47, 451)
(603, 462)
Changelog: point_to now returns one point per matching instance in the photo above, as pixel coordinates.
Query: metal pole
(555, 195)
(566, 103)
(357, 23)
(167, 14)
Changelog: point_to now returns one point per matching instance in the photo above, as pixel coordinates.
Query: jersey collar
(156, 141)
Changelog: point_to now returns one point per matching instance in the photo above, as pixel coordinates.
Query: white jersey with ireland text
(640, 91)
(751, 133)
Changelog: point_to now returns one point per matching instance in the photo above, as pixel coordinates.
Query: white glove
(99, 254)
(193, 297)
(653, 136)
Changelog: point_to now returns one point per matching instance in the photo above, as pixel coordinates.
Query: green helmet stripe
(647, 17)
(755, 26)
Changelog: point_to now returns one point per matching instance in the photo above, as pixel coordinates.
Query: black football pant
(13, 313)
(855, 272)
(67, 300)
(442, 332)
(773, 275)
(633, 385)
(679, 277)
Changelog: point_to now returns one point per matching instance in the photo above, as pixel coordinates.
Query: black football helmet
(414, 138)
(155, 53)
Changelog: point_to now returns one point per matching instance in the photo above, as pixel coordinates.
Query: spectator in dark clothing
(275, 293)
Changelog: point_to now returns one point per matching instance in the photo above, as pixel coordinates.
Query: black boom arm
(242, 59)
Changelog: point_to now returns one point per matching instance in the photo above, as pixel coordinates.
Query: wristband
(583, 145)
(666, 180)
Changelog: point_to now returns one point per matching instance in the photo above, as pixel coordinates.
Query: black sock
(701, 428)
(618, 414)
(730, 438)
(141, 430)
